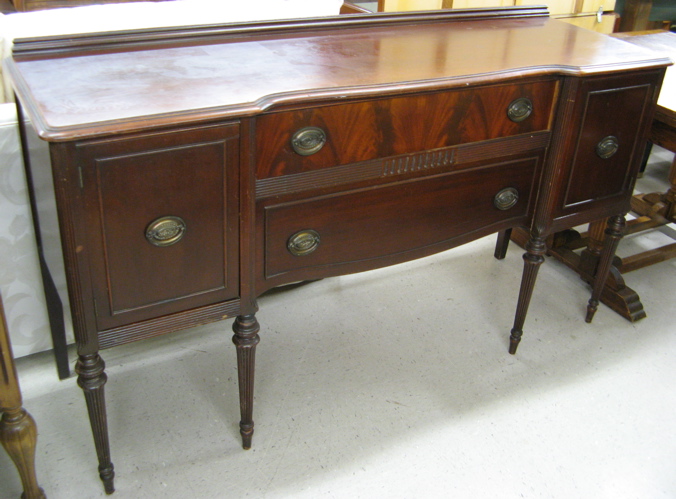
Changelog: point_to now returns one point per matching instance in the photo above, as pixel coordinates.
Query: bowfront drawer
(304, 140)
(305, 239)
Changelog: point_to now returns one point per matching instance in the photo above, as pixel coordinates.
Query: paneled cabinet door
(161, 210)
(607, 144)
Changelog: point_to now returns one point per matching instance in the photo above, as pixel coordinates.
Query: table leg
(533, 258)
(245, 339)
(502, 244)
(613, 233)
(670, 196)
(92, 378)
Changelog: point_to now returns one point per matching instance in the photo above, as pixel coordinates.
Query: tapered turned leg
(533, 258)
(614, 233)
(92, 378)
(502, 244)
(245, 339)
(18, 435)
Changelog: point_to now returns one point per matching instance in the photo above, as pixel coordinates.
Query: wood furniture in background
(18, 432)
(636, 16)
(350, 8)
(658, 208)
(596, 15)
(187, 184)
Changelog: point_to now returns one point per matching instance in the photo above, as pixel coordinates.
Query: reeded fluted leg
(92, 378)
(614, 233)
(533, 258)
(245, 339)
(18, 435)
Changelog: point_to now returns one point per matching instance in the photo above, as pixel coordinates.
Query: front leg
(533, 258)
(245, 339)
(614, 233)
(92, 378)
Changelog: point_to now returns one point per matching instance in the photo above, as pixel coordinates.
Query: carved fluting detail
(417, 162)
(18, 435)
(546, 199)
(614, 232)
(356, 172)
(246, 338)
(533, 258)
(92, 379)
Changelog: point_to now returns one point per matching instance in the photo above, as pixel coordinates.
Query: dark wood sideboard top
(84, 86)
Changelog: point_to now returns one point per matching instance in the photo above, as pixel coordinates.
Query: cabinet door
(162, 223)
(605, 147)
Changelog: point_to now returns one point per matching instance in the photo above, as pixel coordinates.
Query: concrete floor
(389, 384)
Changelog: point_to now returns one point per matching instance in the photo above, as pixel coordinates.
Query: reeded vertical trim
(556, 156)
(410, 163)
(75, 258)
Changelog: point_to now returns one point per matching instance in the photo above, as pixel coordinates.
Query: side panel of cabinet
(162, 215)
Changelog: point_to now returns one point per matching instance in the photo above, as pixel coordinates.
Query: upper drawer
(387, 127)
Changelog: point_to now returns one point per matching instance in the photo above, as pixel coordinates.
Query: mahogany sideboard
(194, 168)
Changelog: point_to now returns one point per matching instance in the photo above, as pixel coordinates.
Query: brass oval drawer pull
(308, 140)
(519, 109)
(607, 147)
(165, 231)
(303, 243)
(506, 198)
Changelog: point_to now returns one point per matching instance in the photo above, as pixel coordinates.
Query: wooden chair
(18, 432)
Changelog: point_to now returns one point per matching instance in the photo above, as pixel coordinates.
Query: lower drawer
(304, 239)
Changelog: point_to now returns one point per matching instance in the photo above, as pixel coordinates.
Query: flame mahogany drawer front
(380, 128)
(389, 220)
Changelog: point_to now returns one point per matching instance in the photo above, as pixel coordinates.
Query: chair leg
(18, 433)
